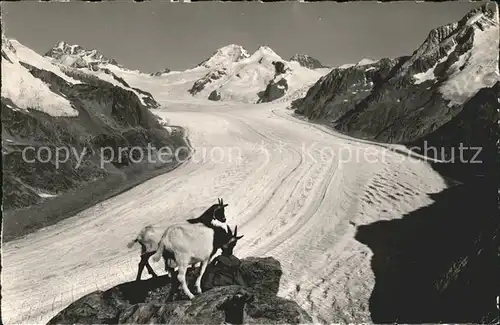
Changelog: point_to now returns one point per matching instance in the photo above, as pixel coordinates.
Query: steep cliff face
(403, 99)
(65, 130)
(342, 89)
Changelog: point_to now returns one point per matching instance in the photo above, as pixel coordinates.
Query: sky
(151, 36)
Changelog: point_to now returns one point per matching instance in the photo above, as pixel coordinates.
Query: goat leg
(181, 276)
(203, 267)
(140, 269)
(174, 285)
(150, 270)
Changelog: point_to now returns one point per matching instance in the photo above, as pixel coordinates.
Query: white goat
(191, 243)
(149, 238)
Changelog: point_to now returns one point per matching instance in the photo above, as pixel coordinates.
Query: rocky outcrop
(210, 77)
(273, 91)
(214, 95)
(160, 73)
(307, 61)
(144, 302)
(404, 99)
(279, 67)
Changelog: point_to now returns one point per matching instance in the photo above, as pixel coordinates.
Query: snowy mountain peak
(452, 53)
(262, 77)
(225, 55)
(77, 56)
(307, 61)
(266, 50)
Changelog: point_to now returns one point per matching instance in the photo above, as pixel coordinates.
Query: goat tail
(159, 252)
(132, 243)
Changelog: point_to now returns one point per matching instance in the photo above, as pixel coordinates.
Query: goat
(188, 244)
(227, 251)
(225, 268)
(229, 243)
(149, 237)
(213, 222)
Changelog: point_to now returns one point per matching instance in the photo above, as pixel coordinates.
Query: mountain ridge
(78, 57)
(56, 107)
(402, 99)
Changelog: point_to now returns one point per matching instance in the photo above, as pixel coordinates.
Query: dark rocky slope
(39, 191)
(144, 302)
(440, 263)
(210, 77)
(273, 91)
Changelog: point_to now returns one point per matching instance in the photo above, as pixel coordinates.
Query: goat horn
(221, 201)
(235, 230)
(229, 231)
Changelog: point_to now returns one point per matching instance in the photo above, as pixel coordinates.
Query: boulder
(280, 67)
(214, 95)
(273, 91)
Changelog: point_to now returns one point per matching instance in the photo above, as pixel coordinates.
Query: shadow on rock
(439, 263)
(145, 302)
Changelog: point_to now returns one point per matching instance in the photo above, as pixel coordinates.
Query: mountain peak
(77, 56)
(307, 61)
(62, 45)
(461, 49)
(225, 55)
(264, 49)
